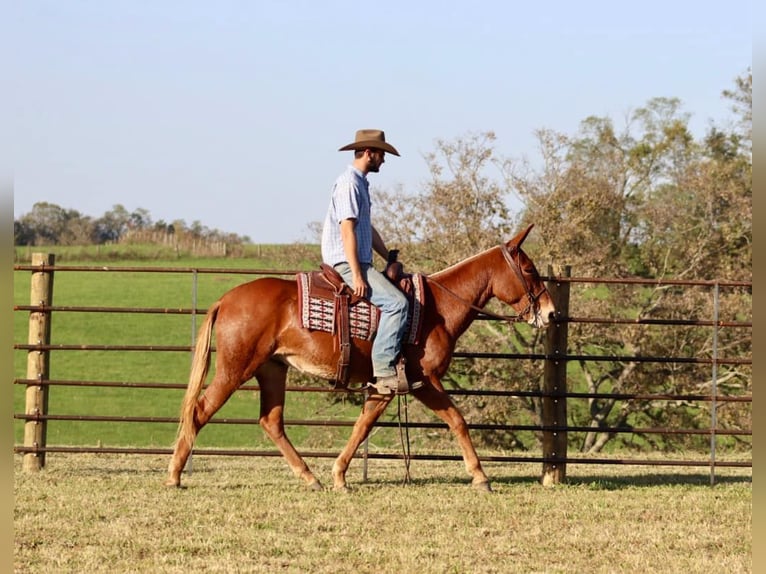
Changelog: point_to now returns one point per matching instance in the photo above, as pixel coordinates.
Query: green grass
(147, 290)
(108, 513)
(166, 291)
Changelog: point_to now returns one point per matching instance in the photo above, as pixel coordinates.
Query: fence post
(38, 368)
(554, 404)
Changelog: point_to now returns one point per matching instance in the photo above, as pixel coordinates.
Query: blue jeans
(393, 307)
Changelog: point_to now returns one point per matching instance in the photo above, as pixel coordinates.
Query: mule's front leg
(373, 407)
(435, 397)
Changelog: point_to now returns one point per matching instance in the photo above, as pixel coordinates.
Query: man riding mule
(348, 242)
(259, 333)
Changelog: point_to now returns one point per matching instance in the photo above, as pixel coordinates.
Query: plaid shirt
(350, 200)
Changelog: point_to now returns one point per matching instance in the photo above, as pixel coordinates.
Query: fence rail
(458, 392)
(554, 395)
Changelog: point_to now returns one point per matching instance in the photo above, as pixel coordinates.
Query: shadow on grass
(594, 482)
(605, 482)
(655, 479)
(202, 470)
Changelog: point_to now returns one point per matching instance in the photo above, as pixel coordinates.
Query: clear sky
(230, 113)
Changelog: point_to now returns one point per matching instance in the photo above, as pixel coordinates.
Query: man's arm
(348, 236)
(378, 244)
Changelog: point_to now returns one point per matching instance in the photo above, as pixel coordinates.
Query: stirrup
(391, 385)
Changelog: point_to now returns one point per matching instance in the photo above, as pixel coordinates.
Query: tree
(112, 225)
(650, 201)
(23, 233)
(140, 219)
(50, 224)
(463, 211)
(741, 98)
(646, 199)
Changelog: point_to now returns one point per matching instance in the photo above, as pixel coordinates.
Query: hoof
(316, 486)
(482, 486)
(344, 489)
(173, 483)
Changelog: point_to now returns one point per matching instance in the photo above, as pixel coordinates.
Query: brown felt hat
(373, 139)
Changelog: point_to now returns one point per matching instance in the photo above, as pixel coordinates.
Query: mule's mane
(468, 283)
(446, 272)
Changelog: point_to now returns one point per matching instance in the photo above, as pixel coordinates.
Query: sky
(230, 113)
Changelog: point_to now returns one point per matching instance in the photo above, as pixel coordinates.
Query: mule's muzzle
(542, 315)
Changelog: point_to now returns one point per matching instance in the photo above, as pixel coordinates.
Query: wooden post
(38, 368)
(554, 411)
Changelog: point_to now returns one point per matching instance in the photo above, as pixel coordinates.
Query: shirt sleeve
(346, 199)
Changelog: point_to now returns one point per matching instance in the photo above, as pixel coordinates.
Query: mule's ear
(516, 242)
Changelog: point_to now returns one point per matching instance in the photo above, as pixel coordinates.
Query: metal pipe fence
(554, 394)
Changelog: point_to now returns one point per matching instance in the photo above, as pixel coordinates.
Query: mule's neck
(467, 287)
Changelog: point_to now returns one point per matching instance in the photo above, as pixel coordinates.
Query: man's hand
(360, 285)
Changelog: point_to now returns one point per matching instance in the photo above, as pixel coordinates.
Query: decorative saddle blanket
(318, 308)
(318, 300)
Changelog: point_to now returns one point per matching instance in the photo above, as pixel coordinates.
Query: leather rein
(532, 298)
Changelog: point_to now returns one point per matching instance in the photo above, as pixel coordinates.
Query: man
(348, 241)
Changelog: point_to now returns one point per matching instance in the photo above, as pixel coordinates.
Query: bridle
(533, 299)
(533, 304)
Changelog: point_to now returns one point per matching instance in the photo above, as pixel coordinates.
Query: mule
(258, 334)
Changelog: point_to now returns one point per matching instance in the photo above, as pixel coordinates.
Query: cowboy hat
(373, 139)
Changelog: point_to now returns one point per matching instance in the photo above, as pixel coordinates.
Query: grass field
(100, 512)
(133, 289)
(109, 513)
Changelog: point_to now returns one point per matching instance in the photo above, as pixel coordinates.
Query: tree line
(51, 224)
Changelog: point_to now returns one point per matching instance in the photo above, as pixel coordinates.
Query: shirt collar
(358, 172)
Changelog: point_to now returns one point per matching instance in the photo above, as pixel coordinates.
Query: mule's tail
(197, 376)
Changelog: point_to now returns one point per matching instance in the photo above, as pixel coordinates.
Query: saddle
(327, 303)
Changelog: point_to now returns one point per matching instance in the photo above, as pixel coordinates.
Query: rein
(508, 318)
(404, 437)
(532, 298)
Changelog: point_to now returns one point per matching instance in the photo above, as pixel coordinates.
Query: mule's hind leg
(371, 410)
(207, 405)
(177, 462)
(272, 378)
